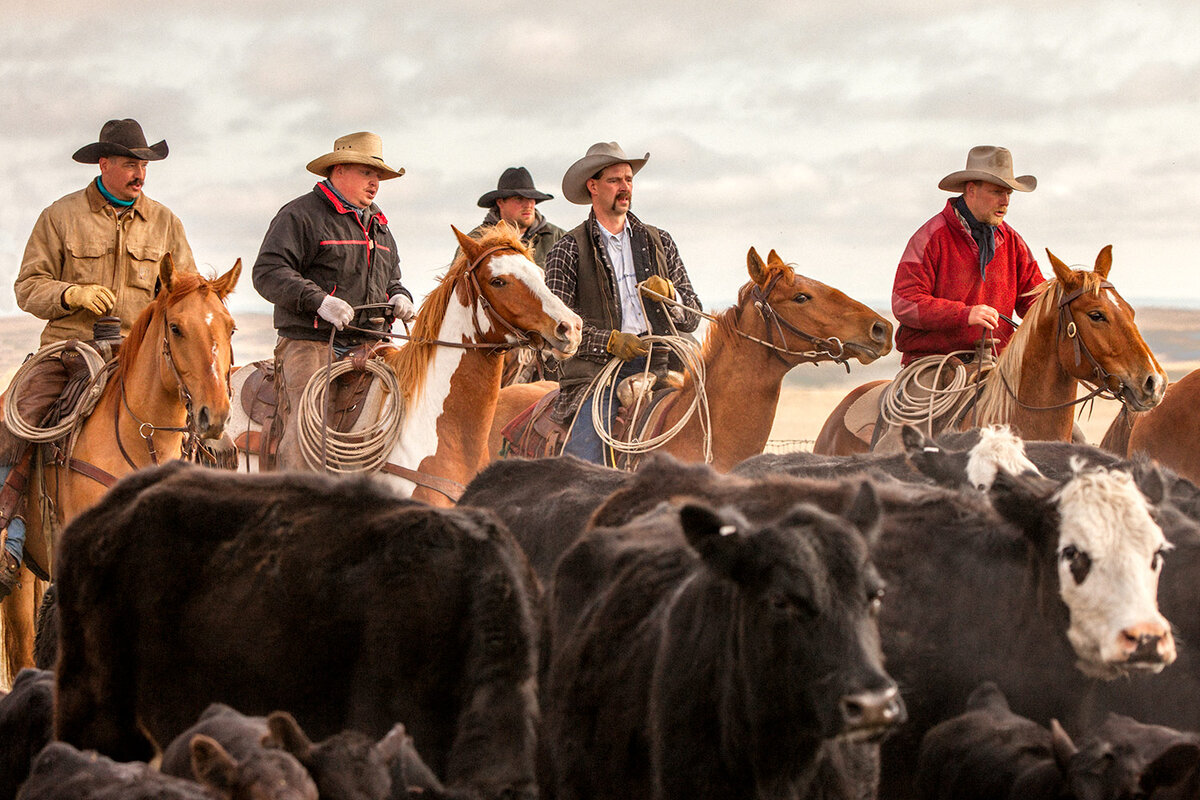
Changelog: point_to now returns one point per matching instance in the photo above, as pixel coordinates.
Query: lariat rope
(97, 369)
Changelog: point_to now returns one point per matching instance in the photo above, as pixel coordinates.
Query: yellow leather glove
(657, 283)
(95, 298)
(626, 346)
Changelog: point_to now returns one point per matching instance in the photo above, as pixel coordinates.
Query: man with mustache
(94, 253)
(325, 253)
(966, 266)
(596, 270)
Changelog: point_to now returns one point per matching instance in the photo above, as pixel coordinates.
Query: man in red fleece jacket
(965, 267)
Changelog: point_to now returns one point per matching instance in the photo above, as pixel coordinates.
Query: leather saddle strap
(443, 486)
(91, 471)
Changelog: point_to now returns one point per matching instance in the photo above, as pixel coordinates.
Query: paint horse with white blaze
(491, 299)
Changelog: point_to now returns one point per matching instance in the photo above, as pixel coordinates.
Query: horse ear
(1104, 261)
(773, 260)
(166, 272)
(756, 267)
(224, 284)
(1061, 270)
(469, 246)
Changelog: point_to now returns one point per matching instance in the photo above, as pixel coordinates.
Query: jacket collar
(96, 201)
(342, 208)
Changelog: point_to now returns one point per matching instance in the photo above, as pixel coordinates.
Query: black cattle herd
(978, 617)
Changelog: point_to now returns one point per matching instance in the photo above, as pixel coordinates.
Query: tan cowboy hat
(599, 156)
(991, 164)
(121, 137)
(355, 148)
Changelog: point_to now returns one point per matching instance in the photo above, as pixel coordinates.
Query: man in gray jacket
(513, 201)
(326, 253)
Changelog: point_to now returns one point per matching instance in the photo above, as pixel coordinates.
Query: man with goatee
(597, 269)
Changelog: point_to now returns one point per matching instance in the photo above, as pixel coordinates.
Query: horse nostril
(1154, 385)
(203, 421)
(880, 332)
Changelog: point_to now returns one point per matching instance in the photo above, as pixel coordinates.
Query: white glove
(336, 311)
(402, 308)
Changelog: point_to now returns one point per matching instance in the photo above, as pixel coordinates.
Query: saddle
(534, 434)
(260, 402)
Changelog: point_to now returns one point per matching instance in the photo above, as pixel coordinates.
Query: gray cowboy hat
(355, 148)
(121, 137)
(599, 156)
(991, 164)
(514, 182)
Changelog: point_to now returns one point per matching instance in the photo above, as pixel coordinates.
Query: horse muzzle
(1145, 393)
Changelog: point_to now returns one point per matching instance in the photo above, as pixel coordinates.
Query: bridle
(1066, 327)
(776, 325)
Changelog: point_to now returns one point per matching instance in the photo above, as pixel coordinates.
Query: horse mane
(182, 285)
(998, 405)
(411, 362)
(724, 327)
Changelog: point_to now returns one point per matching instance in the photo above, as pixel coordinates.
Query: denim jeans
(584, 442)
(15, 544)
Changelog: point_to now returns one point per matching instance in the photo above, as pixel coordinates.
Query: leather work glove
(336, 311)
(402, 308)
(659, 284)
(92, 296)
(626, 346)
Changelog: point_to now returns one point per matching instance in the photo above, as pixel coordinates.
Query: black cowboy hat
(515, 182)
(121, 137)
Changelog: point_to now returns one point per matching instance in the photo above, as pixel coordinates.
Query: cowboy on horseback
(325, 253)
(94, 253)
(596, 270)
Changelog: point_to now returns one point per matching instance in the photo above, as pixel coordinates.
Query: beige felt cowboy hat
(599, 156)
(121, 137)
(991, 164)
(355, 148)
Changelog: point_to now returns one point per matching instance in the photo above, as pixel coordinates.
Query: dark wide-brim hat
(121, 137)
(599, 156)
(990, 164)
(514, 182)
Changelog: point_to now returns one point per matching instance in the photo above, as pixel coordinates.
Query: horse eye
(1096, 316)
(498, 283)
(175, 329)
(801, 298)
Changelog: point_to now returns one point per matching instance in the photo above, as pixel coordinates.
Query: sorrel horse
(1078, 330)
(1168, 433)
(171, 381)
(781, 319)
(491, 299)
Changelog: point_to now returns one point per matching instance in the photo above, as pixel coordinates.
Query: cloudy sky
(818, 129)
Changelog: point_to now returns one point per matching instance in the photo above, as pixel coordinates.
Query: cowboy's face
(987, 201)
(123, 176)
(612, 189)
(357, 183)
(517, 211)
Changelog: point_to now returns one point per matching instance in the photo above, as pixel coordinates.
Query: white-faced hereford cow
(704, 654)
(333, 599)
(1028, 586)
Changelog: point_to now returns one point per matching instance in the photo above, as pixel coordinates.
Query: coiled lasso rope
(604, 385)
(910, 401)
(99, 368)
(362, 450)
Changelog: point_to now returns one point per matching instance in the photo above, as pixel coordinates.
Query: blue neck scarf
(983, 234)
(115, 201)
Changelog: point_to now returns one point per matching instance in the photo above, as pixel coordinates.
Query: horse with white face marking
(492, 298)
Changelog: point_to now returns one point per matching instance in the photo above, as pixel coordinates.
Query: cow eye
(1156, 560)
(875, 601)
(1079, 562)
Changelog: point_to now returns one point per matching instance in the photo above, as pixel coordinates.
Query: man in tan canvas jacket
(91, 254)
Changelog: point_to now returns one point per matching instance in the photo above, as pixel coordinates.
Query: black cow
(26, 725)
(700, 654)
(331, 598)
(990, 753)
(61, 772)
(976, 585)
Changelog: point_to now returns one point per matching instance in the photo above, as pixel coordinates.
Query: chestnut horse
(492, 298)
(1078, 330)
(744, 364)
(171, 381)
(1168, 433)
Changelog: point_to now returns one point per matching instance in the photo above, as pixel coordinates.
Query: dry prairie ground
(809, 393)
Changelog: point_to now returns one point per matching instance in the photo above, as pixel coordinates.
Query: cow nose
(1149, 643)
(876, 709)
